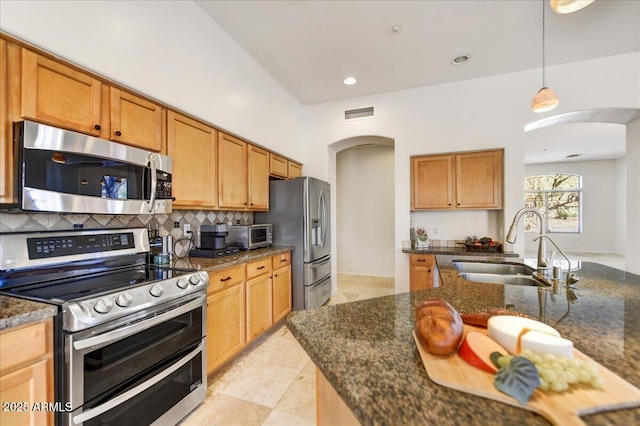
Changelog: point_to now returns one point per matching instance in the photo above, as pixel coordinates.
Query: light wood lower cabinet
(422, 272)
(243, 302)
(26, 374)
(282, 298)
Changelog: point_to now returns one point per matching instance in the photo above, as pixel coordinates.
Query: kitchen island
(366, 352)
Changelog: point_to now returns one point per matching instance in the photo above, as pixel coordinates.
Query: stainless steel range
(129, 338)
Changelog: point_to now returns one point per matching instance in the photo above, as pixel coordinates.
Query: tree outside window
(558, 198)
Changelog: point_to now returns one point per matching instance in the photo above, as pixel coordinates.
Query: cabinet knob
(118, 133)
(97, 127)
(250, 204)
(449, 203)
(429, 270)
(458, 203)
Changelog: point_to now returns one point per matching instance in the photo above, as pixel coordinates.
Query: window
(558, 198)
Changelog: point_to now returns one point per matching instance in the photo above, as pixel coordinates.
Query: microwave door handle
(154, 182)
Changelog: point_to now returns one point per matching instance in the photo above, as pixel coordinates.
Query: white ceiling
(311, 46)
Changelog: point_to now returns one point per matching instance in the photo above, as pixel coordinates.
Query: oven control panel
(82, 314)
(68, 245)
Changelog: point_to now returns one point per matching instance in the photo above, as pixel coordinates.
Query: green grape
(504, 360)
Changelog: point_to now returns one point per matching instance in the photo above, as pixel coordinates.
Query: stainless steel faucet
(571, 278)
(512, 235)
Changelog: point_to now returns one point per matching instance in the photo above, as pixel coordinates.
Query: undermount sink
(493, 268)
(497, 273)
(525, 280)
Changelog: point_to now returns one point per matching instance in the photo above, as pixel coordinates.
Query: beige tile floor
(274, 383)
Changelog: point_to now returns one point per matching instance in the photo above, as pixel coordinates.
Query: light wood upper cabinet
(295, 170)
(232, 172)
(9, 111)
(26, 373)
(135, 121)
(258, 178)
(192, 146)
(479, 180)
(471, 180)
(278, 166)
(59, 95)
(432, 182)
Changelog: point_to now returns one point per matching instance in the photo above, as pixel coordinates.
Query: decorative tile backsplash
(28, 222)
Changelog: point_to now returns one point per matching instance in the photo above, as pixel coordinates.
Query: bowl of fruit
(484, 244)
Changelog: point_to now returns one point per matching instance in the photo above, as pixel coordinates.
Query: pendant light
(568, 6)
(546, 99)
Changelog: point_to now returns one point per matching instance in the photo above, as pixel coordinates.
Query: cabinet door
(9, 110)
(59, 95)
(281, 293)
(232, 172)
(295, 170)
(135, 121)
(259, 306)
(192, 146)
(422, 272)
(479, 180)
(277, 166)
(26, 386)
(258, 178)
(432, 184)
(225, 325)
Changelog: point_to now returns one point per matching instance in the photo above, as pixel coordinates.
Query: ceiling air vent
(353, 114)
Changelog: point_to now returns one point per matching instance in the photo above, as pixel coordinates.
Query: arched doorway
(365, 215)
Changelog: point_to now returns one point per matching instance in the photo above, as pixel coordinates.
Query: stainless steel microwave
(250, 237)
(64, 171)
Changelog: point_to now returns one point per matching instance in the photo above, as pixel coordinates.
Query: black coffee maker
(213, 237)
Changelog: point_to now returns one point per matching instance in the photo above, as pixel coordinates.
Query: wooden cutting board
(563, 408)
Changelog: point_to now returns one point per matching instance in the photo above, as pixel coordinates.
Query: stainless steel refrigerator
(299, 211)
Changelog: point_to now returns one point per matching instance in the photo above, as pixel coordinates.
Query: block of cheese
(516, 333)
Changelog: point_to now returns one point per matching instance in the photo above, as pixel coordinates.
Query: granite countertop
(215, 264)
(366, 350)
(458, 251)
(15, 312)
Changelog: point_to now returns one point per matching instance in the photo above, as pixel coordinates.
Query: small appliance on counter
(250, 237)
(213, 242)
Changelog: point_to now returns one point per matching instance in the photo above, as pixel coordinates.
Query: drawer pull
(261, 267)
(225, 279)
(422, 260)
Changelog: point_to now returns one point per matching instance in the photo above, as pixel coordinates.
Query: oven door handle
(120, 333)
(89, 414)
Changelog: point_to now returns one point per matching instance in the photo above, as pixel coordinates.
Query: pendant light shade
(545, 100)
(569, 6)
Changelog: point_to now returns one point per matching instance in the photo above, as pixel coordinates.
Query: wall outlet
(176, 225)
(187, 229)
(434, 231)
(351, 266)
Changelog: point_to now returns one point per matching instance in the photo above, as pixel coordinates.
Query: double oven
(129, 338)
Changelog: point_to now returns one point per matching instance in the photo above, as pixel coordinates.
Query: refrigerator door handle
(322, 213)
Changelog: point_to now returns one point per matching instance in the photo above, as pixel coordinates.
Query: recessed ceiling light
(396, 28)
(350, 81)
(460, 59)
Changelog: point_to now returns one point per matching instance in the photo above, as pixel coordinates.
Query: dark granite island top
(367, 353)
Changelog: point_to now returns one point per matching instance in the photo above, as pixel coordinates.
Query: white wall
(365, 210)
(620, 213)
(632, 243)
(603, 217)
(481, 113)
(171, 51)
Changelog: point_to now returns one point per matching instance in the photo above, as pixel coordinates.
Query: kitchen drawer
(259, 267)
(226, 278)
(281, 260)
(24, 345)
(422, 260)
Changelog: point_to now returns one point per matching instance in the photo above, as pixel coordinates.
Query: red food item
(476, 349)
(481, 318)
